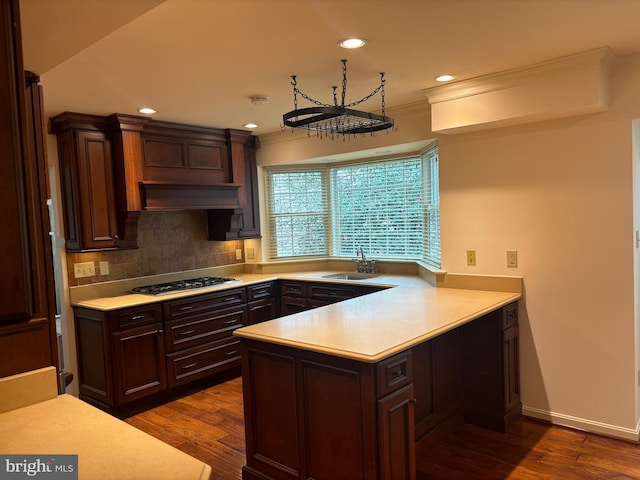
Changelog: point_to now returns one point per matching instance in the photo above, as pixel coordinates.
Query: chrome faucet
(362, 264)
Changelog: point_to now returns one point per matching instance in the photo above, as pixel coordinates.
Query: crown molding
(600, 59)
(558, 88)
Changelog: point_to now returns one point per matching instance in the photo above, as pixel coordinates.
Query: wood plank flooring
(209, 425)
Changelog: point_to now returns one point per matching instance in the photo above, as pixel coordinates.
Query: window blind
(432, 250)
(390, 208)
(297, 212)
(379, 207)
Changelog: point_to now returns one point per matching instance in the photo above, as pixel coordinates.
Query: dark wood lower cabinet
(396, 435)
(438, 382)
(491, 369)
(139, 365)
(309, 415)
(315, 416)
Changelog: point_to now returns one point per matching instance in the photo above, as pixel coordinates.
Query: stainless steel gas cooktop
(181, 285)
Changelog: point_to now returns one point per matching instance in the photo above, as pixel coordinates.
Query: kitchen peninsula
(343, 392)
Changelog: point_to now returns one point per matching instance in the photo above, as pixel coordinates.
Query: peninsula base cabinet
(492, 370)
(313, 415)
(310, 415)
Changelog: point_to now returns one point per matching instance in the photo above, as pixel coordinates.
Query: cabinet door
(98, 222)
(139, 363)
(396, 435)
(511, 368)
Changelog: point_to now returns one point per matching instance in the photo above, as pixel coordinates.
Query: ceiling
(200, 61)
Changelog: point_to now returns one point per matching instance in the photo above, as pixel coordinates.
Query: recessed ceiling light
(352, 43)
(250, 125)
(147, 110)
(445, 78)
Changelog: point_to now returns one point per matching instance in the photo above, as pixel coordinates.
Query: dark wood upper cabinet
(27, 303)
(244, 221)
(113, 167)
(89, 201)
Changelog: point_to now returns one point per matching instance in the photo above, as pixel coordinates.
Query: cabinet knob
(414, 401)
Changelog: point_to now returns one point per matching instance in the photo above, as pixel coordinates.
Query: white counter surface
(373, 327)
(367, 328)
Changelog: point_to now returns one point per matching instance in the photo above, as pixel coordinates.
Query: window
(297, 212)
(389, 208)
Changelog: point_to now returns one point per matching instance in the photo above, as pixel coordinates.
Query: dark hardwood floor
(209, 426)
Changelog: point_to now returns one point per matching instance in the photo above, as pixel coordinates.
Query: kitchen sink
(350, 276)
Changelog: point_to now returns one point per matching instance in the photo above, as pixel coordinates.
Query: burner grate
(181, 285)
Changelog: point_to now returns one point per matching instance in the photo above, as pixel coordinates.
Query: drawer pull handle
(229, 322)
(191, 365)
(229, 354)
(230, 299)
(397, 373)
(187, 332)
(185, 308)
(138, 317)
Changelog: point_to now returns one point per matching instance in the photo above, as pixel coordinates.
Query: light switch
(471, 258)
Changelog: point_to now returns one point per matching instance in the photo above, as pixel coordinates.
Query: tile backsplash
(168, 242)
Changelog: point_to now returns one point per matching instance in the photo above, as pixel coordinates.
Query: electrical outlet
(104, 268)
(471, 258)
(512, 258)
(238, 254)
(84, 269)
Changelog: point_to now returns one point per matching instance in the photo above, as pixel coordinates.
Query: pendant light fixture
(331, 120)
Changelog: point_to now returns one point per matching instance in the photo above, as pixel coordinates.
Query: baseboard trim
(584, 424)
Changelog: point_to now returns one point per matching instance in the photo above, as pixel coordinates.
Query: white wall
(560, 193)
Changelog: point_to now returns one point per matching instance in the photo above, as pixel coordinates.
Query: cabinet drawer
(294, 289)
(135, 317)
(260, 291)
(331, 293)
(394, 372)
(196, 363)
(510, 315)
(194, 331)
(262, 310)
(203, 303)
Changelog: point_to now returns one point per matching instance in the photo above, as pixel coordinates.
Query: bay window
(390, 208)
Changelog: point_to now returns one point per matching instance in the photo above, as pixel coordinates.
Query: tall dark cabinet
(27, 303)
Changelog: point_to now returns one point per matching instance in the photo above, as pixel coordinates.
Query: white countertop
(107, 448)
(367, 328)
(373, 327)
